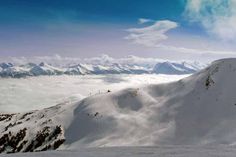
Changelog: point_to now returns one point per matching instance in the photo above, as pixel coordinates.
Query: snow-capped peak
(106, 67)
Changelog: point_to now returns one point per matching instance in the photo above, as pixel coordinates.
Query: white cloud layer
(152, 35)
(218, 17)
(68, 89)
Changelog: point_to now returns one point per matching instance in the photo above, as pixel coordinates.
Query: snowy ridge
(197, 110)
(32, 131)
(32, 69)
(175, 68)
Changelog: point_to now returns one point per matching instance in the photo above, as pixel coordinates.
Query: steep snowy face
(45, 69)
(175, 68)
(6, 65)
(30, 69)
(196, 110)
(34, 131)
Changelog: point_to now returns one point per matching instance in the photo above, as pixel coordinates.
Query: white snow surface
(183, 112)
(198, 111)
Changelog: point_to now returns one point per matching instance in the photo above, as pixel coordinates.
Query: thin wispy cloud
(152, 35)
(194, 51)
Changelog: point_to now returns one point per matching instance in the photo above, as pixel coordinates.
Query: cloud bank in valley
(53, 90)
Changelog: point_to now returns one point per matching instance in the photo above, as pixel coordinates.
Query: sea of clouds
(19, 95)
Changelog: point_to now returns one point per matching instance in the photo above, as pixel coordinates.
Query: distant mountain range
(32, 69)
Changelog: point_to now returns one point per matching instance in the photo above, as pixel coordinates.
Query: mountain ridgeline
(32, 69)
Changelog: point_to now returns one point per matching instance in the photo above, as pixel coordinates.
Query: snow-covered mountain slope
(177, 68)
(197, 110)
(31, 69)
(5, 65)
(45, 69)
(34, 131)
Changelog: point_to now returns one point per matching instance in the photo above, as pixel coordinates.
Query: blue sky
(172, 29)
